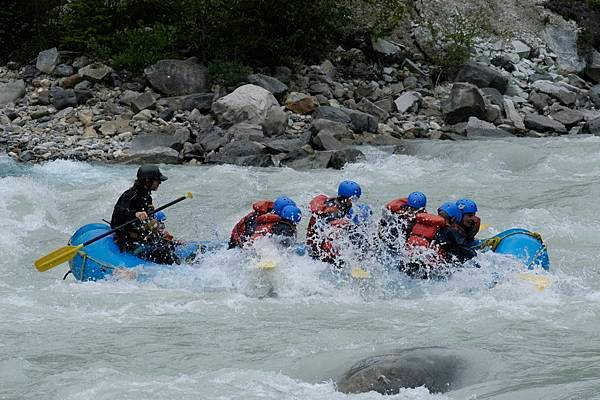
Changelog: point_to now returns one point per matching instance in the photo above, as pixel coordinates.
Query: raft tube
(98, 260)
(528, 247)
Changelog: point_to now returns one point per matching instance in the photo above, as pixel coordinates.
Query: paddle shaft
(105, 234)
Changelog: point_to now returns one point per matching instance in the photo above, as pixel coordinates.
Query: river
(205, 332)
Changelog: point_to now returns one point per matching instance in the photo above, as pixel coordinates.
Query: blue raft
(528, 247)
(99, 259)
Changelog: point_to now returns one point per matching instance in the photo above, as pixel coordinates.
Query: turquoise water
(205, 331)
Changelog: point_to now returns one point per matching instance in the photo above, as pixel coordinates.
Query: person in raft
(398, 219)
(277, 218)
(329, 217)
(470, 222)
(142, 238)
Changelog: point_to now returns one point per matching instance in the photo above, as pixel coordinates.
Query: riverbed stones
(178, 77)
(47, 60)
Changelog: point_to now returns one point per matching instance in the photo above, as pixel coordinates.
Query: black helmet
(150, 172)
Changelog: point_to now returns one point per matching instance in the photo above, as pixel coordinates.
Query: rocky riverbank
(68, 106)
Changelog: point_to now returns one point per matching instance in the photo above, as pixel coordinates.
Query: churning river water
(205, 331)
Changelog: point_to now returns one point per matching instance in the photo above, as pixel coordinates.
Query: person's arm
(460, 248)
(285, 233)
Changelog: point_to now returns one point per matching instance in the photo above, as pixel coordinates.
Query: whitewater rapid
(206, 332)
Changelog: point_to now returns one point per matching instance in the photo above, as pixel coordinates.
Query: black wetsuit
(136, 238)
(455, 243)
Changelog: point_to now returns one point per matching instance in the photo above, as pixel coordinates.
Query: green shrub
(135, 49)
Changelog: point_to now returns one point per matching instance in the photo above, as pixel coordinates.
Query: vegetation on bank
(135, 33)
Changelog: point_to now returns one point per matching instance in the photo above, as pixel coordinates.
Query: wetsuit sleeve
(459, 246)
(286, 234)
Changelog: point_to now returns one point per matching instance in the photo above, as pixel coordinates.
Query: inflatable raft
(99, 259)
(526, 246)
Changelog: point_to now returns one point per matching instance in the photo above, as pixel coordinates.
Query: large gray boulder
(342, 157)
(95, 72)
(540, 123)
(465, 101)
(593, 127)
(251, 104)
(482, 76)
(557, 91)
(325, 140)
(562, 40)
(273, 85)
(595, 95)
(332, 114)
(568, 117)
(302, 160)
(178, 77)
(477, 128)
(47, 60)
(408, 101)
(362, 122)
(243, 152)
(155, 155)
(12, 91)
(593, 66)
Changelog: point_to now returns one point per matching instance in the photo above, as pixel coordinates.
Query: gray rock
(482, 129)
(386, 104)
(362, 122)
(200, 101)
(593, 66)
(64, 70)
(482, 76)
(562, 41)
(62, 98)
(245, 131)
(142, 102)
(83, 95)
(12, 91)
(342, 157)
(320, 88)
(513, 115)
(155, 155)
(332, 114)
(465, 101)
(540, 123)
(301, 160)
(286, 145)
(211, 138)
(150, 141)
(366, 106)
(326, 141)
(593, 127)
(275, 122)
(338, 129)
(385, 47)
(47, 60)
(560, 93)
(521, 48)
(539, 77)
(539, 100)
(594, 95)
(494, 96)
(128, 96)
(328, 69)
(408, 101)
(273, 85)
(182, 135)
(177, 77)
(244, 153)
(410, 82)
(568, 117)
(95, 72)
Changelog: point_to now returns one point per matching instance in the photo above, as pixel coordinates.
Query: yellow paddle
(359, 273)
(540, 282)
(65, 253)
(267, 265)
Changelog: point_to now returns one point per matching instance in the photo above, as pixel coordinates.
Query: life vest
(264, 225)
(324, 211)
(424, 231)
(246, 227)
(397, 206)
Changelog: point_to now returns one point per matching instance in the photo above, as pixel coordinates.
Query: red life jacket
(397, 205)
(321, 207)
(264, 226)
(245, 228)
(425, 229)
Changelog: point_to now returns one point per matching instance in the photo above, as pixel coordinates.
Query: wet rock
(540, 123)
(177, 77)
(560, 93)
(12, 91)
(300, 159)
(47, 60)
(243, 153)
(465, 101)
(342, 157)
(325, 140)
(477, 128)
(273, 85)
(593, 127)
(300, 103)
(155, 155)
(286, 145)
(482, 76)
(211, 138)
(568, 117)
(95, 72)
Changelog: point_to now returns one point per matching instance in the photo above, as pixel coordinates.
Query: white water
(204, 332)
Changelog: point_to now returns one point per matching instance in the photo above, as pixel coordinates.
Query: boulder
(325, 140)
(480, 129)
(95, 72)
(408, 101)
(12, 91)
(568, 117)
(245, 131)
(559, 92)
(63, 98)
(142, 102)
(63, 70)
(47, 60)
(300, 103)
(244, 153)
(521, 48)
(362, 122)
(540, 123)
(338, 129)
(286, 145)
(594, 95)
(539, 100)
(200, 101)
(211, 138)
(332, 114)
(465, 101)
(562, 40)
(593, 127)
(252, 104)
(273, 85)
(592, 69)
(512, 114)
(370, 108)
(342, 157)
(178, 77)
(482, 76)
(302, 160)
(155, 155)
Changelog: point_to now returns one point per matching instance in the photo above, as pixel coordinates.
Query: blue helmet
(467, 206)
(417, 200)
(360, 213)
(280, 203)
(291, 213)
(452, 210)
(160, 216)
(349, 189)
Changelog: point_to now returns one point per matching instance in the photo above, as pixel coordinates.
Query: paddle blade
(56, 258)
(359, 273)
(267, 265)
(540, 282)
